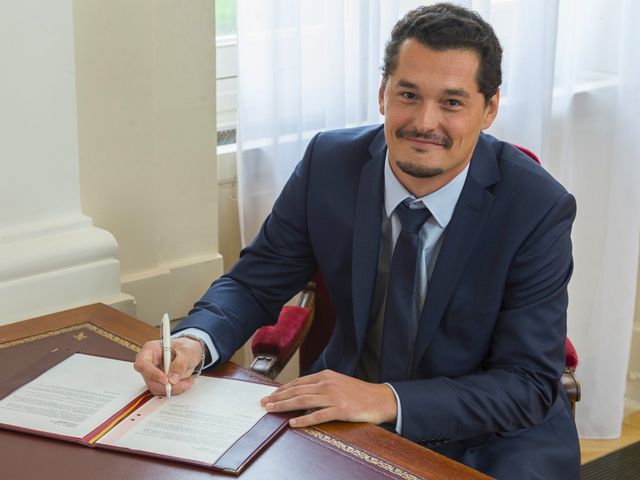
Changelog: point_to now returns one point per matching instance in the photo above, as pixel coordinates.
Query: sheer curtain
(570, 93)
(303, 66)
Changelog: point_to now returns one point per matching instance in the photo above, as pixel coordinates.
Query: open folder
(103, 402)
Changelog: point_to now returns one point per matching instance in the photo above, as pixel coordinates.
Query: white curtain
(570, 93)
(304, 66)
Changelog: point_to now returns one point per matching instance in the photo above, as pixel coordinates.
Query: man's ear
(383, 85)
(491, 110)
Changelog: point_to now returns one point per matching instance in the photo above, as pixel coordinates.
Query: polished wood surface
(367, 440)
(100, 315)
(592, 449)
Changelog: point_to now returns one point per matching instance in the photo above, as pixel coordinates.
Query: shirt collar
(440, 203)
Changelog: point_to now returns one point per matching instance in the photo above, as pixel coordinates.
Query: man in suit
(446, 253)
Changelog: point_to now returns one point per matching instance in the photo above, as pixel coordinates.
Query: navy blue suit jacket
(490, 344)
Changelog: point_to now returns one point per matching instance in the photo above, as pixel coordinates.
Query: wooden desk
(334, 450)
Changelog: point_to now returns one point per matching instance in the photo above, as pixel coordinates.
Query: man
(451, 318)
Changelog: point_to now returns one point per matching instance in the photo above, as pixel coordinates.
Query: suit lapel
(366, 236)
(471, 211)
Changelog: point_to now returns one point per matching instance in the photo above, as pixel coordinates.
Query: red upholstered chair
(569, 380)
(308, 324)
(274, 345)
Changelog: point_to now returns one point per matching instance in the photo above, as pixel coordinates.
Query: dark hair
(446, 27)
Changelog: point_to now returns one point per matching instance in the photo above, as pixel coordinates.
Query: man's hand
(187, 354)
(334, 396)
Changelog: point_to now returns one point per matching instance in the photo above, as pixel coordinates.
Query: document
(74, 397)
(200, 425)
(103, 402)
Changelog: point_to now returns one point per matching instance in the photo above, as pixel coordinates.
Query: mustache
(429, 135)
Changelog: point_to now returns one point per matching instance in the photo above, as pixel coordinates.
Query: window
(225, 18)
(226, 70)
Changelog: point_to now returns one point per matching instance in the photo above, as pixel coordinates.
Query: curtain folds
(570, 93)
(304, 66)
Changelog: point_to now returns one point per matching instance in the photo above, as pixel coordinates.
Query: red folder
(233, 460)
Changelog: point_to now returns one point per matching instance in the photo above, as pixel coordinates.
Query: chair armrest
(571, 355)
(569, 381)
(274, 345)
(571, 387)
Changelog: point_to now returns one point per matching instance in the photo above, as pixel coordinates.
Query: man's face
(434, 113)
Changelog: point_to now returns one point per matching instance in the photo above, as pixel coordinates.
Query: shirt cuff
(399, 417)
(206, 338)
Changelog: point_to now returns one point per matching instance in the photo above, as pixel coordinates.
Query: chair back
(322, 327)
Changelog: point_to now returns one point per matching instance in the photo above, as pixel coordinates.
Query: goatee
(415, 169)
(418, 171)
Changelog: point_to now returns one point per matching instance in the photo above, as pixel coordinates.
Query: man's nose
(427, 117)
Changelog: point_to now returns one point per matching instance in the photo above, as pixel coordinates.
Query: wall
(51, 255)
(147, 133)
(229, 232)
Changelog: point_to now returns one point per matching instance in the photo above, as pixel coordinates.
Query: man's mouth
(425, 139)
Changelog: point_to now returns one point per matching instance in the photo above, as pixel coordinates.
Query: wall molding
(57, 268)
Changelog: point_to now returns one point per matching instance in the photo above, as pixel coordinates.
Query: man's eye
(452, 102)
(408, 95)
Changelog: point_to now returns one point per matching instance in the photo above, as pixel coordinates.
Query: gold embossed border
(351, 450)
(89, 326)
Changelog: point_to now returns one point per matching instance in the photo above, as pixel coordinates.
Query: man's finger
(182, 386)
(315, 418)
(152, 374)
(188, 355)
(299, 402)
(156, 388)
(315, 380)
(306, 380)
(292, 392)
(147, 363)
(159, 390)
(180, 369)
(149, 353)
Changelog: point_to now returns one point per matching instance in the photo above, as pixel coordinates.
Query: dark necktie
(400, 315)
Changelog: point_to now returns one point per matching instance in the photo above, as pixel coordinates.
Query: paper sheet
(74, 397)
(200, 425)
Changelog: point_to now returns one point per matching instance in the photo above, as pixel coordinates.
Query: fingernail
(269, 406)
(173, 378)
(293, 422)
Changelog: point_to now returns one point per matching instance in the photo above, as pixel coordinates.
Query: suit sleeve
(519, 381)
(273, 268)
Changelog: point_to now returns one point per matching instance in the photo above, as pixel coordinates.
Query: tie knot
(412, 219)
